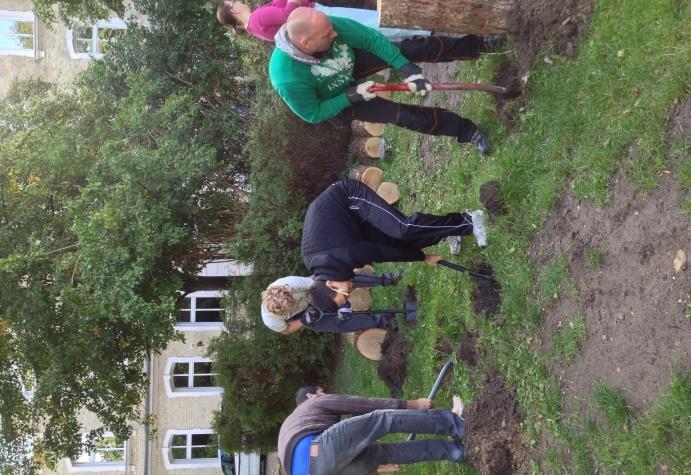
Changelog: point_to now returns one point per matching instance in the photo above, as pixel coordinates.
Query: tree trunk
(477, 17)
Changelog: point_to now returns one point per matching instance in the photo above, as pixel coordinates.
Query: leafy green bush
(260, 372)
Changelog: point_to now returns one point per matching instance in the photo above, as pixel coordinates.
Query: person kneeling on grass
(286, 309)
(348, 226)
(314, 440)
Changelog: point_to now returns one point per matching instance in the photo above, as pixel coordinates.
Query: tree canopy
(113, 191)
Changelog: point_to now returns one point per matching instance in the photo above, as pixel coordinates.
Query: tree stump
(370, 176)
(477, 17)
(367, 129)
(368, 147)
(389, 191)
(360, 299)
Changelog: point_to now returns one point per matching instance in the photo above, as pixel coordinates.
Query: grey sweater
(316, 415)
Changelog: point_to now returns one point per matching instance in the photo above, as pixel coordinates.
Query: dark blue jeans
(329, 323)
(350, 448)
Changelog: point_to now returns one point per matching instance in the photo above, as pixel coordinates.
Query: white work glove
(360, 92)
(417, 83)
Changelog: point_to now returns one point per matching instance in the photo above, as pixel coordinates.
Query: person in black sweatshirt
(348, 226)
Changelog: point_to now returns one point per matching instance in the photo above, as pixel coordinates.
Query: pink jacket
(267, 19)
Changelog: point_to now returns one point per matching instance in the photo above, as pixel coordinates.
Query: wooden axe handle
(450, 86)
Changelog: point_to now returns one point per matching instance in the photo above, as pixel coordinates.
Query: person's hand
(432, 259)
(361, 92)
(412, 75)
(388, 468)
(422, 403)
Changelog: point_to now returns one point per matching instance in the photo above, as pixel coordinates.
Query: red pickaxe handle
(451, 86)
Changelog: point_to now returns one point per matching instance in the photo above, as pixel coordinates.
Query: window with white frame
(17, 33)
(108, 455)
(194, 448)
(202, 308)
(190, 376)
(92, 41)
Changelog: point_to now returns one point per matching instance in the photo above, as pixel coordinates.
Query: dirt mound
(620, 258)
(393, 367)
(493, 441)
(536, 23)
(490, 197)
(467, 351)
(486, 297)
(539, 29)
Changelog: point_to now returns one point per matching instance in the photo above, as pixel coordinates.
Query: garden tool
(453, 86)
(460, 268)
(437, 384)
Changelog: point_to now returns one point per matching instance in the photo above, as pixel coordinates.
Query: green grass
(594, 258)
(582, 120)
(566, 342)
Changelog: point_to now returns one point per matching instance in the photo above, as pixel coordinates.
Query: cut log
(368, 147)
(367, 129)
(368, 343)
(477, 17)
(364, 269)
(360, 299)
(389, 191)
(370, 176)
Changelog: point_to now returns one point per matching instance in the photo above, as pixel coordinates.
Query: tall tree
(112, 192)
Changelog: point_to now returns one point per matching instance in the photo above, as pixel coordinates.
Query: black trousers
(329, 322)
(427, 120)
(387, 224)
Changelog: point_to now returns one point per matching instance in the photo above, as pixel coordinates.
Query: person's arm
(376, 252)
(303, 101)
(355, 405)
(292, 327)
(359, 36)
(275, 14)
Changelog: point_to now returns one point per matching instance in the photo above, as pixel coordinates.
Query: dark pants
(387, 224)
(350, 448)
(329, 322)
(427, 120)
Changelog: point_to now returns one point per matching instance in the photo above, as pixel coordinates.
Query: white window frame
(187, 463)
(73, 467)
(173, 392)
(114, 23)
(193, 325)
(20, 16)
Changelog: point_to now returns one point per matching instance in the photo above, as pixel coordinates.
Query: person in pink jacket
(264, 22)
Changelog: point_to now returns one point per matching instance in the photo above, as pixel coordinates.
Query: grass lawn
(583, 119)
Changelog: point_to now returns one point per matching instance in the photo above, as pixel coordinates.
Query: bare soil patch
(486, 296)
(491, 199)
(393, 367)
(493, 441)
(634, 304)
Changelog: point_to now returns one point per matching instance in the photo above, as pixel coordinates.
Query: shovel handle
(437, 384)
(449, 86)
(460, 268)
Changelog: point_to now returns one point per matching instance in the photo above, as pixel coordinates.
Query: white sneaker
(454, 244)
(479, 231)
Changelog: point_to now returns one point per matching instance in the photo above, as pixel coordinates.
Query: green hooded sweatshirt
(315, 88)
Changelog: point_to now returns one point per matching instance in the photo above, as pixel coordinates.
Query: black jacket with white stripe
(335, 240)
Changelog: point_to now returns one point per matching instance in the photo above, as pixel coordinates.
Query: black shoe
(480, 141)
(489, 43)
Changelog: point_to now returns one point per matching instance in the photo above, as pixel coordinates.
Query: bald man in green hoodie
(318, 59)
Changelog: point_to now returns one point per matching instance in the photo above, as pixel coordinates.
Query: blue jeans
(350, 448)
